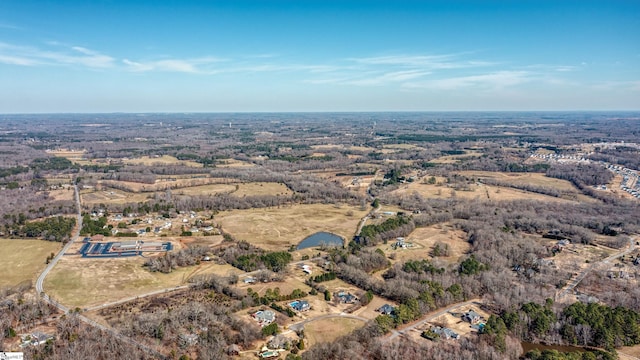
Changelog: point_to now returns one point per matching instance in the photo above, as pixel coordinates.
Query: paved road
(581, 275)
(52, 263)
(429, 317)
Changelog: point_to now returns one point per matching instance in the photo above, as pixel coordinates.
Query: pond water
(321, 238)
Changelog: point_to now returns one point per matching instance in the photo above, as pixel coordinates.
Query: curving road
(52, 263)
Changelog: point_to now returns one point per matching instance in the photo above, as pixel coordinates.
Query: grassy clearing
(163, 160)
(240, 189)
(473, 191)
(110, 196)
(536, 179)
(424, 240)
(452, 159)
(279, 228)
(233, 163)
(78, 282)
(328, 330)
(22, 260)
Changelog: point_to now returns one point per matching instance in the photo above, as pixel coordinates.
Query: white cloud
(31, 56)
(493, 80)
(445, 61)
(193, 66)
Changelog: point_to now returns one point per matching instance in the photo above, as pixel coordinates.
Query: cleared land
(279, 228)
(164, 160)
(423, 240)
(22, 259)
(110, 196)
(240, 189)
(470, 191)
(452, 159)
(88, 282)
(327, 330)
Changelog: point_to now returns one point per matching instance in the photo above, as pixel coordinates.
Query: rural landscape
(429, 235)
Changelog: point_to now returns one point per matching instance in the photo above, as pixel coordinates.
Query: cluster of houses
(630, 182)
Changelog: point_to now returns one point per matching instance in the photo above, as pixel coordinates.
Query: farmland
(22, 260)
(271, 228)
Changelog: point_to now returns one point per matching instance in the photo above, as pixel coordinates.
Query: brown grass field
(23, 259)
(278, 228)
(64, 194)
(110, 196)
(452, 159)
(328, 330)
(239, 189)
(474, 191)
(233, 163)
(164, 160)
(78, 282)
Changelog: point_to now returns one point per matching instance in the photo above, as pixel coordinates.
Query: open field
(61, 195)
(233, 163)
(23, 259)
(110, 196)
(78, 282)
(279, 228)
(163, 160)
(327, 330)
(537, 179)
(452, 159)
(239, 189)
(472, 191)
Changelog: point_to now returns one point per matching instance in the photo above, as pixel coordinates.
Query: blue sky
(218, 56)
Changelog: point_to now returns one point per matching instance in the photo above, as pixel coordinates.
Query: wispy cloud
(444, 61)
(492, 80)
(59, 55)
(4, 25)
(192, 66)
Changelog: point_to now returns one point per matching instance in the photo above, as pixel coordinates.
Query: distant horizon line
(317, 112)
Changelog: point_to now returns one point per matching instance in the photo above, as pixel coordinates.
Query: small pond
(321, 238)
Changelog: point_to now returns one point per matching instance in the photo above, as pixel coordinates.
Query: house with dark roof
(472, 317)
(300, 305)
(386, 309)
(445, 333)
(345, 297)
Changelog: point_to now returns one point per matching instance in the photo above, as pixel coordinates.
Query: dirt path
(581, 275)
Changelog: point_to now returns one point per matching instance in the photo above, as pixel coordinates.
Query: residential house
(300, 305)
(386, 309)
(445, 333)
(472, 317)
(279, 342)
(345, 297)
(264, 317)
